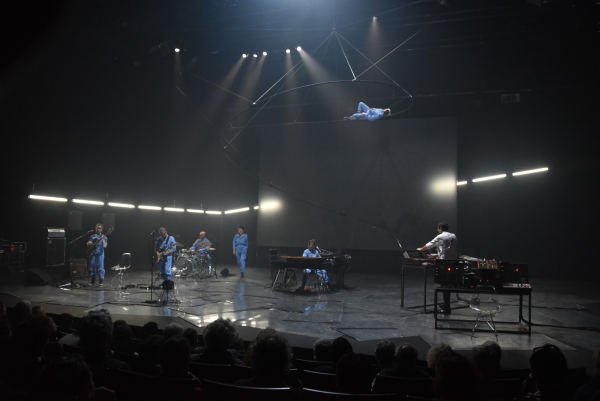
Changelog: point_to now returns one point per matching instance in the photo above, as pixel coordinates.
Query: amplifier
(514, 272)
(477, 277)
(56, 232)
(449, 273)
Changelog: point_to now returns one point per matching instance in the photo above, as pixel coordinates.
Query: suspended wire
(347, 61)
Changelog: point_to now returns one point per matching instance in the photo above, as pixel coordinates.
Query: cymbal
(179, 244)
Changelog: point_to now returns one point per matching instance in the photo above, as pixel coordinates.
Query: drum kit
(192, 264)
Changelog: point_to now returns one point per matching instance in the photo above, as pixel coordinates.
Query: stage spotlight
(243, 209)
(264, 53)
(177, 50)
(146, 207)
(287, 51)
(256, 207)
(374, 17)
(244, 55)
(255, 55)
(125, 205)
(298, 48)
(212, 212)
(48, 198)
(491, 177)
(537, 170)
(461, 182)
(88, 202)
(173, 209)
(195, 210)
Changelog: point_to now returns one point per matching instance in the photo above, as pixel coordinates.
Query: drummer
(202, 245)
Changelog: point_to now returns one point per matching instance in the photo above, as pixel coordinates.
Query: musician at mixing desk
(202, 245)
(312, 252)
(164, 247)
(447, 245)
(96, 263)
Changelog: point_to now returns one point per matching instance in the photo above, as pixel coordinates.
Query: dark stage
(365, 314)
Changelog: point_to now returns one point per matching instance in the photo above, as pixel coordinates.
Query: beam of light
(125, 205)
(195, 210)
(243, 209)
(270, 205)
(461, 182)
(48, 198)
(212, 212)
(443, 186)
(491, 177)
(298, 48)
(537, 170)
(287, 51)
(87, 202)
(145, 207)
(256, 207)
(174, 209)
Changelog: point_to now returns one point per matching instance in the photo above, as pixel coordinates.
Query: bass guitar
(91, 248)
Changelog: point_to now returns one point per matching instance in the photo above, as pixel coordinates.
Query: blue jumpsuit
(164, 265)
(97, 258)
(202, 248)
(313, 254)
(370, 114)
(240, 244)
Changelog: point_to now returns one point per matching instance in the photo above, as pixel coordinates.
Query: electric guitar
(91, 248)
(160, 255)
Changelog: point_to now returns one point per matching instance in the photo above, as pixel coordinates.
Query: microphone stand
(71, 246)
(151, 286)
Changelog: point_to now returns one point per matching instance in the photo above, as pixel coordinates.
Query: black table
(510, 290)
(423, 267)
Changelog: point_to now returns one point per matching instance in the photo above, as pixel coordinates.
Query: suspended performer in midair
(366, 113)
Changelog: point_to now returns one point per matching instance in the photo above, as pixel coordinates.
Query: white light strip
(174, 209)
(461, 182)
(195, 210)
(256, 207)
(537, 170)
(491, 177)
(149, 207)
(48, 198)
(212, 212)
(120, 205)
(88, 202)
(243, 209)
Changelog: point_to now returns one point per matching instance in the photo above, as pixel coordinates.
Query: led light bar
(256, 207)
(212, 212)
(145, 207)
(195, 210)
(461, 182)
(243, 209)
(48, 198)
(491, 177)
(125, 205)
(174, 209)
(537, 170)
(88, 202)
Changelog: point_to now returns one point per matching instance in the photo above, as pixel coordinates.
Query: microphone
(318, 249)
(91, 231)
(153, 231)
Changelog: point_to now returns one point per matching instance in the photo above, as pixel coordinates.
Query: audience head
(339, 347)
(261, 334)
(271, 356)
(122, 332)
(354, 374)
(191, 335)
(37, 310)
(406, 356)
(172, 330)
(486, 360)
(322, 350)
(119, 322)
(436, 352)
(95, 332)
(64, 320)
(384, 352)
(175, 357)
(219, 335)
(495, 346)
(150, 348)
(455, 377)
(548, 367)
(21, 311)
(65, 378)
(149, 329)
(32, 335)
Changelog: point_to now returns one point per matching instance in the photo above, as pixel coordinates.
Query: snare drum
(183, 262)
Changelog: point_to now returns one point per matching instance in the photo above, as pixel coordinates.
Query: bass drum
(183, 264)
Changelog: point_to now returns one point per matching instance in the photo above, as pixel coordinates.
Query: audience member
(37, 310)
(95, 335)
(261, 334)
(149, 357)
(549, 373)
(119, 322)
(20, 312)
(494, 346)
(191, 335)
(122, 332)
(271, 359)
(354, 374)
(591, 391)
(172, 329)
(384, 353)
(218, 338)
(455, 377)
(339, 347)
(435, 352)
(149, 329)
(405, 364)
(486, 360)
(322, 350)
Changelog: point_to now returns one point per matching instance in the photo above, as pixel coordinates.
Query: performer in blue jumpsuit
(312, 252)
(202, 244)
(240, 248)
(165, 246)
(366, 113)
(96, 263)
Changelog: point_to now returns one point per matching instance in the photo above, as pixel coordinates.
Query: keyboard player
(447, 245)
(312, 252)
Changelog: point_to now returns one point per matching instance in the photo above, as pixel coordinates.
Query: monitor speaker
(37, 277)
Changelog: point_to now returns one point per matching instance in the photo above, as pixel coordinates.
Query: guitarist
(96, 262)
(164, 247)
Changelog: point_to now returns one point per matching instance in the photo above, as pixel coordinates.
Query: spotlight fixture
(177, 50)
(287, 51)
(298, 48)
(264, 53)
(244, 55)
(255, 55)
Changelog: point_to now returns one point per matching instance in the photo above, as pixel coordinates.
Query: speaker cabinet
(37, 277)
(55, 251)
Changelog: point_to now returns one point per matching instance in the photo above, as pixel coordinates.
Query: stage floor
(367, 313)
